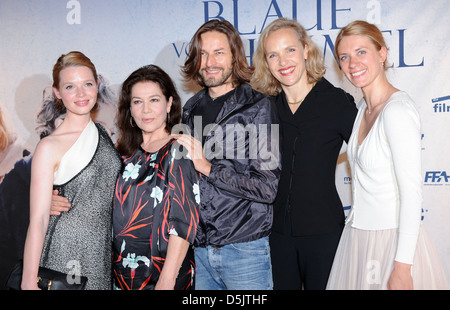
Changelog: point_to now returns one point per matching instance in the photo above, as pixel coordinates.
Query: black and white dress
(78, 242)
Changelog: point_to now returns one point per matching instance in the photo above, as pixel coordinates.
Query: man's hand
(195, 149)
(59, 204)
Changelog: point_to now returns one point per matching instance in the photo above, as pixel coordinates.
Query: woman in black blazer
(316, 118)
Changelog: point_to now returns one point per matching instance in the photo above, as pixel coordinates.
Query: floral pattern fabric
(157, 194)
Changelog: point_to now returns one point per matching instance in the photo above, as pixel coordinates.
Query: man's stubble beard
(213, 82)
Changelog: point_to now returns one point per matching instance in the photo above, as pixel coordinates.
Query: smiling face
(149, 107)
(77, 89)
(216, 62)
(285, 56)
(360, 61)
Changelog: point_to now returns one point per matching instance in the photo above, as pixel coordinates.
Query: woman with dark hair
(156, 202)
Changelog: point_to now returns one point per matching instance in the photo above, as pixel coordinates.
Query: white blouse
(386, 173)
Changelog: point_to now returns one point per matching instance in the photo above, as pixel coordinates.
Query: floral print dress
(156, 195)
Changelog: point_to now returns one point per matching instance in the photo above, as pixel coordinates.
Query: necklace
(373, 108)
(301, 100)
(297, 102)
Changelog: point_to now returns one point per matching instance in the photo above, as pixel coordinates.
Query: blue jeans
(237, 266)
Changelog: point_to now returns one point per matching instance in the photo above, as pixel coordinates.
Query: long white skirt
(364, 260)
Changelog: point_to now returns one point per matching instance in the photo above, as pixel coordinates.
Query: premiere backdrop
(121, 35)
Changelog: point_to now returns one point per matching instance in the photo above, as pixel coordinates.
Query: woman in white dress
(384, 244)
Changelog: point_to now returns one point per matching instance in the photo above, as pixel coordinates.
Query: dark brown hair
(130, 138)
(241, 71)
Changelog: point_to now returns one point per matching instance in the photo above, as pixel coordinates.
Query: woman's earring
(131, 121)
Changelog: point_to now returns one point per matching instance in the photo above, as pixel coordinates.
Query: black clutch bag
(47, 279)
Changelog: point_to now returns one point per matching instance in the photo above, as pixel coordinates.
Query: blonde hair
(263, 80)
(362, 28)
(4, 135)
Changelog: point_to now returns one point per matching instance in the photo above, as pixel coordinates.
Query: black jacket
(236, 199)
(312, 139)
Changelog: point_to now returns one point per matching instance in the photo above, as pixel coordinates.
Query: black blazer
(312, 138)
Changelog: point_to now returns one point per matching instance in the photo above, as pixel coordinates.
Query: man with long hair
(234, 145)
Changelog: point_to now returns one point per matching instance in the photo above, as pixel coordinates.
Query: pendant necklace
(301, 100)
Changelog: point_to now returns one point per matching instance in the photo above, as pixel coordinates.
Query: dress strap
(78, 156)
